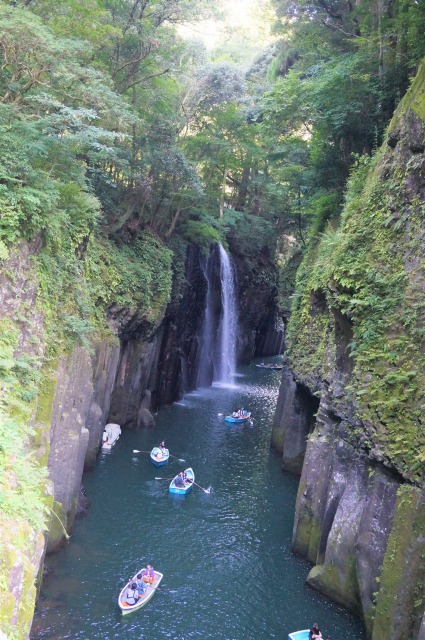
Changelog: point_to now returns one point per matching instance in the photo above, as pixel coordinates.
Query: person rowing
(180, 480)
(186, 479)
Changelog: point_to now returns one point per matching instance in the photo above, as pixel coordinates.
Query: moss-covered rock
(356, 338)
(400, 598)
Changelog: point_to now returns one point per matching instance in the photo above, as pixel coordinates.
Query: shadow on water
(226, 557)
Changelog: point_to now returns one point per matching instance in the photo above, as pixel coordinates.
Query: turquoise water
(226, 557)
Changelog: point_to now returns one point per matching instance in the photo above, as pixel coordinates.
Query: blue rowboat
(235, 419)
(299, 635)
(143, 598)
(159, 457)
(187, 485)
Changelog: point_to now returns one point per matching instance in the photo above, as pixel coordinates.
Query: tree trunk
(243, 189)
(173, 222)
(223, 192)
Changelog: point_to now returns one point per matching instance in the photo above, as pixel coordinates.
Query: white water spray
(225, 360)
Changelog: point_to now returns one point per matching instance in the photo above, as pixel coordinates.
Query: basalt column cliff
(137, 358)
(350, 415)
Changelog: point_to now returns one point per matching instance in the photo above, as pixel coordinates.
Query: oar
(137, 451)
(205, 490)
(156, 478)
(178, 459)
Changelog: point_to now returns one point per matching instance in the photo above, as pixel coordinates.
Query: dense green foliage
(341, 70)
(368, 269)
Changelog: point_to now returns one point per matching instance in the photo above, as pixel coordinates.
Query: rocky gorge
(124, 373)
(360, 516)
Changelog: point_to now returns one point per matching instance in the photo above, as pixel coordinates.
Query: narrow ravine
(226, 557)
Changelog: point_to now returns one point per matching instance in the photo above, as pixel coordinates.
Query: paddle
(205, 490)
(178, 459)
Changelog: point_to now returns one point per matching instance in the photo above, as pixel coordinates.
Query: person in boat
(180, 481)
(315, 633)
(161, 451)
(148, 574)
(141, 585)
(241, 413)
(132, 594)
(105, 437)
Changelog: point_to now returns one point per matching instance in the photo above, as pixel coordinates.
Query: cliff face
(143, 355)
(356, 343)
(55, 393)
(261, 329)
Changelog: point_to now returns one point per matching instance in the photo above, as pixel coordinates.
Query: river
(229, 573)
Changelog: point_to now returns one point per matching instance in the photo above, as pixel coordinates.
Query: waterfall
(225, 363)
(217, 352)
(206, 360)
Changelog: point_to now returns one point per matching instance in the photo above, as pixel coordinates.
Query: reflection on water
(226, 557)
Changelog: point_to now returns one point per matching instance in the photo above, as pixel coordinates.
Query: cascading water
(217, 353)
(225, 363)
(206, 360)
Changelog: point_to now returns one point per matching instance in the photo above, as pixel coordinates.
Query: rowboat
(299, 635)
(273, 367)
(143, 598)
(159, 457)
(111, 433)
(236, 419)
(187, 485)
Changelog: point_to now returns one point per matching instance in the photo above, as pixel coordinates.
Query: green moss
(369, 269)
(17, 545)
(56, 524)
(314, 540)
(46, 394)
(308, 531)
(401, 571)
(339, 584)
(415, 98)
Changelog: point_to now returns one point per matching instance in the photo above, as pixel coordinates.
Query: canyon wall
(351, 404)
(121, 372)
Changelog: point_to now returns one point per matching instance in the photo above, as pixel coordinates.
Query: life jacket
(132, 594)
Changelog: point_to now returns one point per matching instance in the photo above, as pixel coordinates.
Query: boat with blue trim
(159, 456)
(238, 417)
(299, 635)
(182, 482)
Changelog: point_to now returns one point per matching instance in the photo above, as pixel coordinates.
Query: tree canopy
(154, 130)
